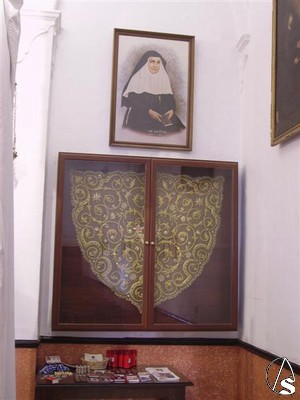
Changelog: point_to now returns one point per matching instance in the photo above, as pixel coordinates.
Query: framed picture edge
(293, 130)
(187, 146)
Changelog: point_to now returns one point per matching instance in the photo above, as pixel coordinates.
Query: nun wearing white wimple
(149, 98)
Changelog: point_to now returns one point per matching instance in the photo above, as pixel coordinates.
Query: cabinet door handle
(152, 243)
(146, 242)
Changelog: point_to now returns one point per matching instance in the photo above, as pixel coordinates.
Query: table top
(75, 380)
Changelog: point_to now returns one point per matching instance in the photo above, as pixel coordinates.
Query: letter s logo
(282, 370)
(286, 383)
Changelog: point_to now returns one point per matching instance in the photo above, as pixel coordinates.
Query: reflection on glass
(106, 217)
(188, 218)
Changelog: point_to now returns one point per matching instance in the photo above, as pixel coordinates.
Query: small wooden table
(68, 389)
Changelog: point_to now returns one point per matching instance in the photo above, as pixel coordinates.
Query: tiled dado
(25, 373)
(218, 372)
(252, 378)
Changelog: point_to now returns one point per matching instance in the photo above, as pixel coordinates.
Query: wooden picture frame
(145, 244)
(152, 104)
(285, 116)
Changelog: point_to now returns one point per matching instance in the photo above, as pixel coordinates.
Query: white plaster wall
(81, 91)
(231, 122)
(32, 104)
(82, 76)
(270, 302)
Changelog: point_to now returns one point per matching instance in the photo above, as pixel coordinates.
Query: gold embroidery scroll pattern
(108, 216)
(188, 217)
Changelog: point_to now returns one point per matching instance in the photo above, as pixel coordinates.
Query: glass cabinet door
(100, 244)
(194, 269)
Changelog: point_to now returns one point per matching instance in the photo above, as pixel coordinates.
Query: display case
(145, 244)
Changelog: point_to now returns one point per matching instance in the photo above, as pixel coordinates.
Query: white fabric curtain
(9, 34)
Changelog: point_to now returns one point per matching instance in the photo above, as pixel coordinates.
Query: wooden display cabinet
(145, 244)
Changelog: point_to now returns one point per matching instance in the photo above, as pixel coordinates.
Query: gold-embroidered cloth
(108, 215)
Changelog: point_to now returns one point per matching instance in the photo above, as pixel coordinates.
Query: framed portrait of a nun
(152, 90)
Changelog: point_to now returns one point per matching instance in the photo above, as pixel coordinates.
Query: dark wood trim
(26, 344)
(143, 341)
